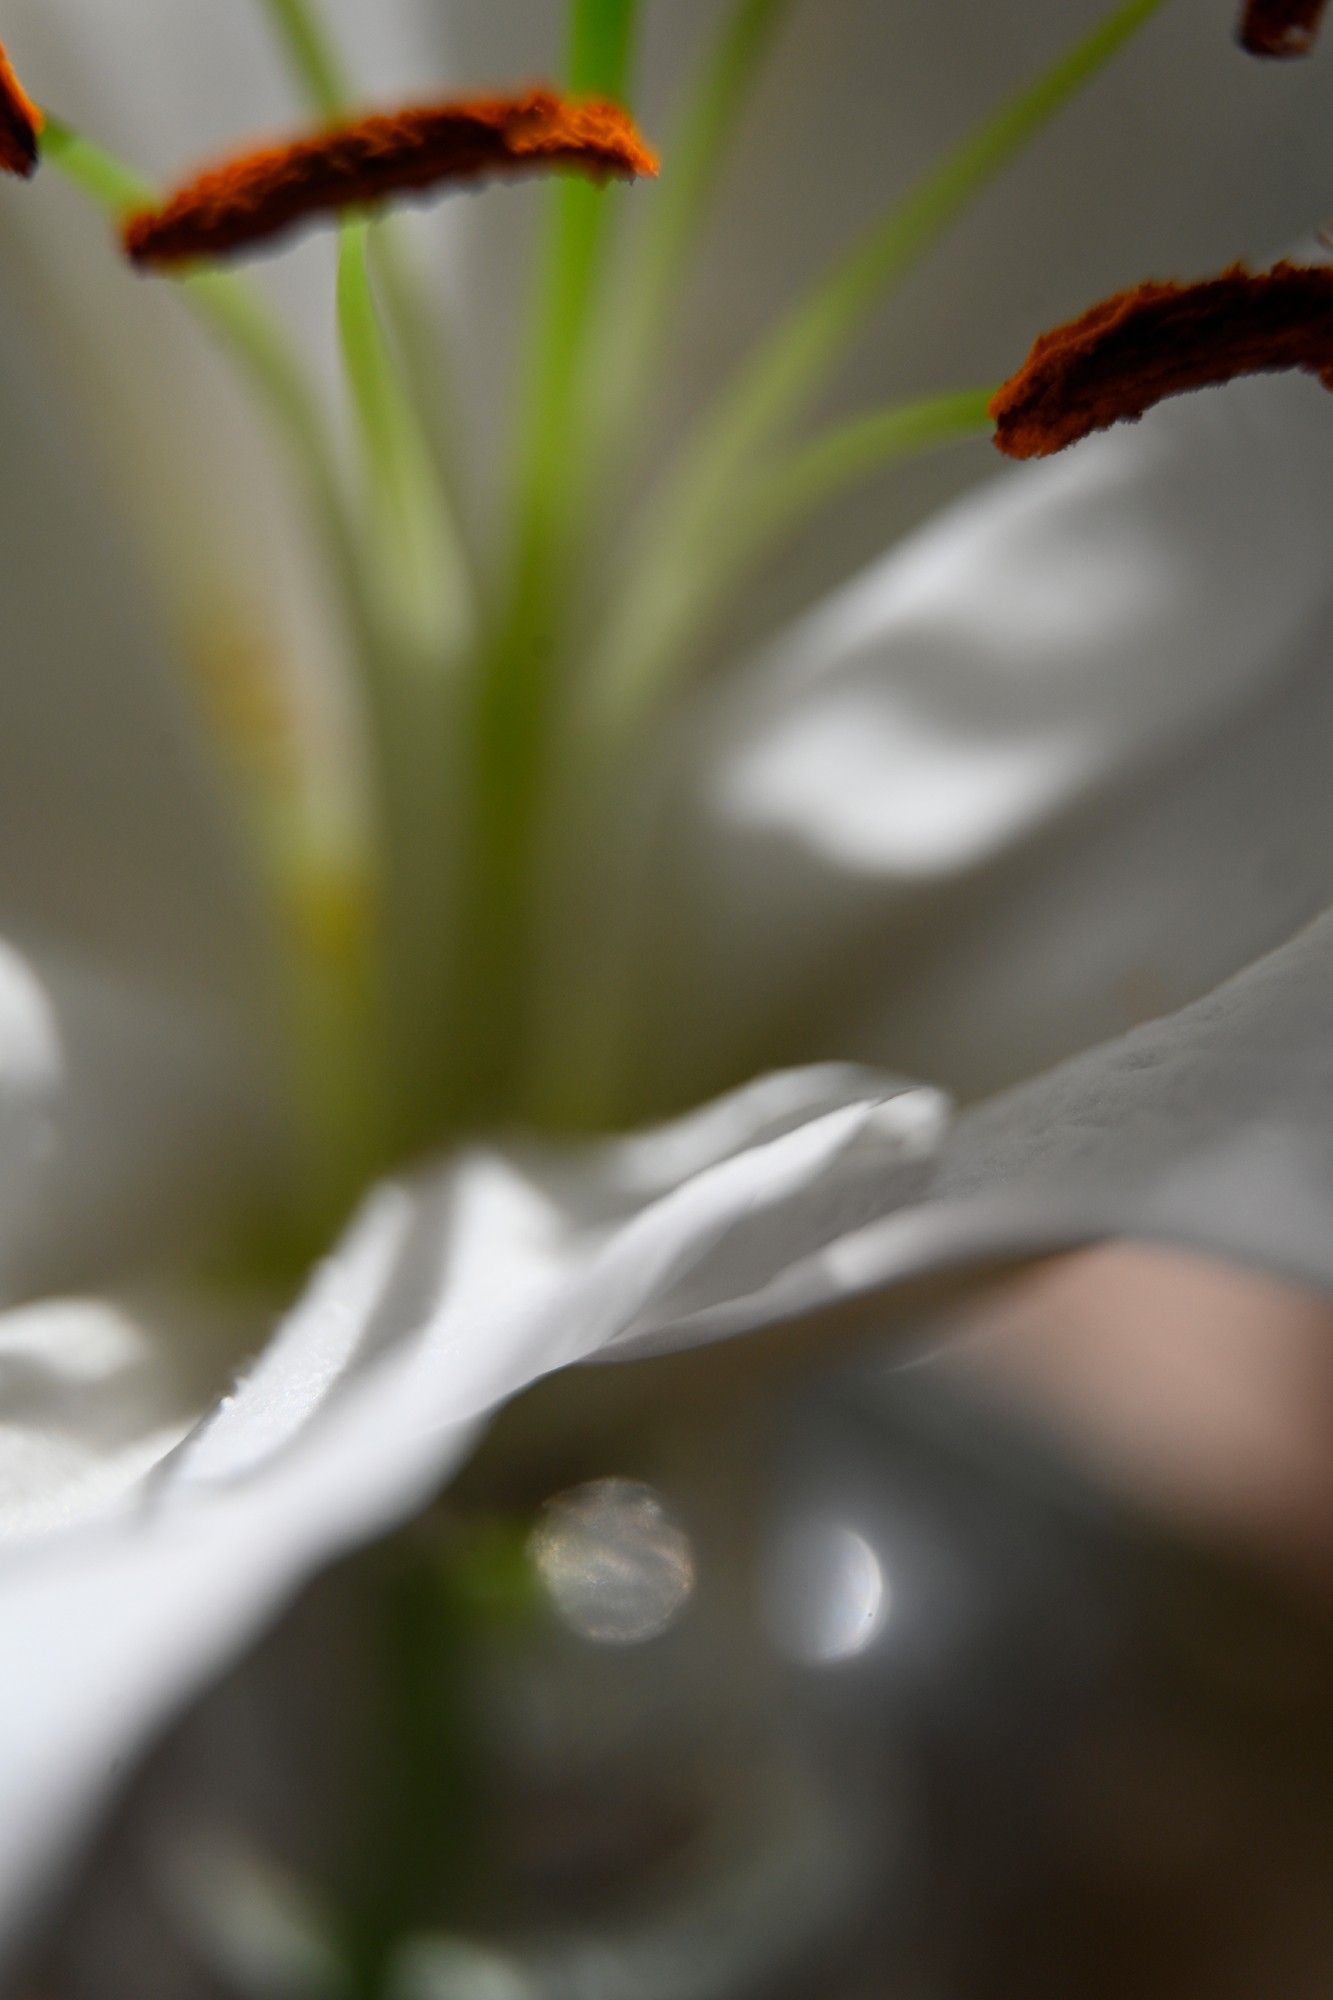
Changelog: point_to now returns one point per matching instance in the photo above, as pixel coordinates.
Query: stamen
(1160, 340)
(1280, 27)
(257, 195)
(21, 122)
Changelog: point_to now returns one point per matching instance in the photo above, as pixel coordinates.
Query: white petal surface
(1055, 766)
(93, 1395)
(1211, 1130)
(448, 1295)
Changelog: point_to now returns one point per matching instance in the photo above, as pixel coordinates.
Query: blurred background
(1002, 1672)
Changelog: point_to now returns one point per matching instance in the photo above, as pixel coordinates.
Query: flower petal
(1209, 1130)
(448, 1295)
(1053, 767)
(93, 1394)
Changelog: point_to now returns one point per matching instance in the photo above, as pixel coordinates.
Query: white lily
(1053, 767)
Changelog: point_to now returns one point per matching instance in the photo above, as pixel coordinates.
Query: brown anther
(254, 196)
(20, 122)
(1280, 27)
(1160, 340)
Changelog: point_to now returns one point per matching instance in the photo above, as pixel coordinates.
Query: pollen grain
(254, 196)
(1158, 340)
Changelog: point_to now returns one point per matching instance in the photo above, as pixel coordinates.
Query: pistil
(254, 196)
(1158, 340)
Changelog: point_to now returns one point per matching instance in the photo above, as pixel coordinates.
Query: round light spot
(827, 1593)
(617, 1568)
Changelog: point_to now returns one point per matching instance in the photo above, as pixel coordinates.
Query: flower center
(447, 915)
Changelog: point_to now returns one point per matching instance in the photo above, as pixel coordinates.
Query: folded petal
(1055, 766)
(448, 1295)
(93, 1395)
(1209, 1130)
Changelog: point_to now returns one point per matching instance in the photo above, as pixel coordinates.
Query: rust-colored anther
(1280, 27)
(20, 122)
(254, 196)
(1160, 340)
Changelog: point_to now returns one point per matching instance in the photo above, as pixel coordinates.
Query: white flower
(1055, 767)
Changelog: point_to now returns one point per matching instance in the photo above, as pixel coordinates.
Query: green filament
(776, 501)
(420, 626)
(112, 184)
(816, 472)
(314, 61)
(420, 581)
(601, 45)
(519, 668)
(794, 363)
(636, 334)
(392, 392)
(418, 602)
